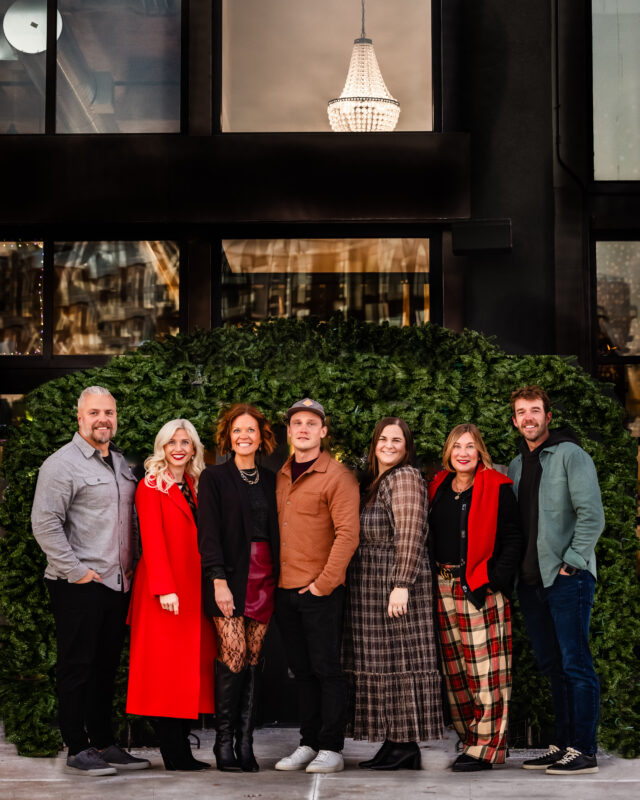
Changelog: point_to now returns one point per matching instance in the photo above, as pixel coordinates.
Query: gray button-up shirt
(82, 515)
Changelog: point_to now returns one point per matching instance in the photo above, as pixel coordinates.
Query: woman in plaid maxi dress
(389, 643)
(478, 546)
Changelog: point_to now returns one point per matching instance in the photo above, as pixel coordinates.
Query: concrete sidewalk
(33, 779)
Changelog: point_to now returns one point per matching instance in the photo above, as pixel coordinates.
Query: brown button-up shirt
(319, 524)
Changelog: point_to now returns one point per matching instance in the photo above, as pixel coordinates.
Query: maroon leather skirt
(261, 584)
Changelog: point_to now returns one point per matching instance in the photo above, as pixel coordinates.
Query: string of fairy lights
(25, 247)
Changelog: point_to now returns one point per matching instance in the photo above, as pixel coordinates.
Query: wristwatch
(569, 569)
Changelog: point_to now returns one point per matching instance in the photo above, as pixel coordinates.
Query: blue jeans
(557, 620)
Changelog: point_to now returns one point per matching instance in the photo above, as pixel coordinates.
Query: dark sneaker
(116, 757)
(547, 759)
(89, 762)
(573, 762)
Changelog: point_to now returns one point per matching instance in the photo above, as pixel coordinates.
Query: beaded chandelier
(365, 103)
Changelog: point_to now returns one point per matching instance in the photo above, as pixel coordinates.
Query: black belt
(449, 572)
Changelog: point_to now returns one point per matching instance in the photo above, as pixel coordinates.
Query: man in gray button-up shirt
(82, 519)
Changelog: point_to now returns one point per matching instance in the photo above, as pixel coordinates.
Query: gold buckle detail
(446, 574)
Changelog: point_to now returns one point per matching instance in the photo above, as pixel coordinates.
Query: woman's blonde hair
(452, 438)
(157, 471)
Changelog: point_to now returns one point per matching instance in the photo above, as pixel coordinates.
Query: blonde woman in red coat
(172, 642)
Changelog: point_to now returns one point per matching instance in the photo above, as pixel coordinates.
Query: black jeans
(90, 626)
(311, 629)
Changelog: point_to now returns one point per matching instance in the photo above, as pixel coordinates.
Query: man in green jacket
(562, 518)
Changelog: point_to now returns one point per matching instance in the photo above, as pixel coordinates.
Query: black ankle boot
(195, 764)
(246, 720)
(382, 752)
(400, 755)
(173, 745)
(227, 694)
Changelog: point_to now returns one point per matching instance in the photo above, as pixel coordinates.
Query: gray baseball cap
(306, 404)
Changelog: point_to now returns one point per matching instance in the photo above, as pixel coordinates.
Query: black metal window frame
(609, 236)
(343, 231)
(216, 68)
(37, 368)
(436, 68)
(612, 206)
(198, 274)
(52, 62)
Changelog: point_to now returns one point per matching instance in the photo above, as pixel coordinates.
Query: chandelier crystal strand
(365, 103)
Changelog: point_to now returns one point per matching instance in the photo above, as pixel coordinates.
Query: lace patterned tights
(239, 641)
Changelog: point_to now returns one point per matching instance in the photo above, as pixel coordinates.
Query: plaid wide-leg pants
(475, 645)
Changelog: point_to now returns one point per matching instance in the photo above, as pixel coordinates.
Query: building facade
(170, 165)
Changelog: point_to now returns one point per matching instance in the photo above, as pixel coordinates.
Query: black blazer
(224, 531)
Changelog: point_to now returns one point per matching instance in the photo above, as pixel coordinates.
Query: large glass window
(618, 271)
(21, 300)
(119, 66)
(284, 61)
(618, 297)
(112, 296)
(377, 280)
(616, 89)
(23, 44)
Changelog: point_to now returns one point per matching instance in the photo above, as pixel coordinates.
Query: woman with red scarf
(477, 546)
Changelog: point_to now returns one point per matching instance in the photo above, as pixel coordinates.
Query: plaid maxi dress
(391, 662)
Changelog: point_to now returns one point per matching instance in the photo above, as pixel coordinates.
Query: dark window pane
(377, 280)
(616, 90)
(618, 268)
(119, 67)
(112, 296)
(23, 42)
(21, 298)
(283, 61)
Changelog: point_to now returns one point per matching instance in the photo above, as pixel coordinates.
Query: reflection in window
(376, 280)
(12, 410)
(119, 67)
(21, 271)
(618, 269)
(23, 42)
(112, 296)
(616, 89)
(283, 61)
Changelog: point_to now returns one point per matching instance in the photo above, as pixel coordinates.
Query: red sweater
(482, 523)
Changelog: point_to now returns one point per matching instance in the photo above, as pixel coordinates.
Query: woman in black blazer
(239, 546)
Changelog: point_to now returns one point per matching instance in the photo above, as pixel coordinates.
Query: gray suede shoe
(89, 762)
(117, 757)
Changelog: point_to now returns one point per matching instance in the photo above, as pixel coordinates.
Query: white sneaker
(299, 759)
(327, 761)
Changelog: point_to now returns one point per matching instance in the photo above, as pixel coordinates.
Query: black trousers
(311, 630)
(90, 626)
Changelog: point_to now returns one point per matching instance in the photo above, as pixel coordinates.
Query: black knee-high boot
(173, 745)
(186, 730)
(227, 695)
(246, 720)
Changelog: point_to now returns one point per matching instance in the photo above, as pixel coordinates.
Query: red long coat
(171, 661)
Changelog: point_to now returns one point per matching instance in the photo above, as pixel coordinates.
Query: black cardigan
(508, 549)
(225, 530)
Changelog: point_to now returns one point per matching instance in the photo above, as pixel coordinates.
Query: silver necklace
(250, 476)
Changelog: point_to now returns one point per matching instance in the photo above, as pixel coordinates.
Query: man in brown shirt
(318, 504)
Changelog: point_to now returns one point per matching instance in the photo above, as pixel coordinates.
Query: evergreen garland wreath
(432, 377)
